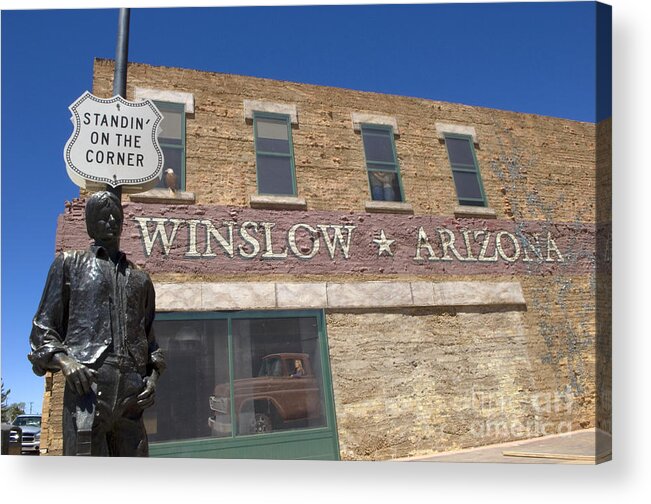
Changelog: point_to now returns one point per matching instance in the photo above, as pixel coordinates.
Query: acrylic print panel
(369, 258)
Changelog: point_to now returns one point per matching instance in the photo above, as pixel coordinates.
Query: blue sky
(535, 57)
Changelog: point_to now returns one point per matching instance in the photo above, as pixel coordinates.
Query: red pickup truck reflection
(285, 394)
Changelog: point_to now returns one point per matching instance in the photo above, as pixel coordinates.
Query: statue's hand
(78, 376)
(146, 397)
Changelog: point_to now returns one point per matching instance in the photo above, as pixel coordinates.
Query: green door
(244, 385)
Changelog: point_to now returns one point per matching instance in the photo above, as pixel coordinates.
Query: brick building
(358, 276)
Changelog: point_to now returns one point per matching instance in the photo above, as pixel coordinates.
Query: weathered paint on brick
(164, 238)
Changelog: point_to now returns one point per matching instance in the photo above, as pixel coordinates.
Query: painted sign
(229, 240)
(251, 239)
(114, 142)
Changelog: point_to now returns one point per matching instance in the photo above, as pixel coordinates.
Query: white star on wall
(384, 244)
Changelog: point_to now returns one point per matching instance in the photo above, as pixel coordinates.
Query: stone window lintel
(458, 129)
(187, 99)
(251, 106)
(360, 118)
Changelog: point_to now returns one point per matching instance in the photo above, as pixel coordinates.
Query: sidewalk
(578, 447)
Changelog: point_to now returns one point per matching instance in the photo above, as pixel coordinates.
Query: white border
(623, 480)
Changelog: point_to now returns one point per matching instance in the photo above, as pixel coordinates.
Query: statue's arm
(49, 324)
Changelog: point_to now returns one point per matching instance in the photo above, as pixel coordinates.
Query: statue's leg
(69, 424)
(129, 437)
(82, 427)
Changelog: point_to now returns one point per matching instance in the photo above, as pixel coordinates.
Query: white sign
(114, 142)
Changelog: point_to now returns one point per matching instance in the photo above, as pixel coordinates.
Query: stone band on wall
(203, 296)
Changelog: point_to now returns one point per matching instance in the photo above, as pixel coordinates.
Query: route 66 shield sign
(114, 142)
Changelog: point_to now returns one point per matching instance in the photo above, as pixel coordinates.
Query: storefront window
(196, 352)
(276, 385)
(278, 379)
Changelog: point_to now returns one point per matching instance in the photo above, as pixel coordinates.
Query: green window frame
(465, 170)
(278, 177)
(316, 443)
(173, 148)
(384, 179)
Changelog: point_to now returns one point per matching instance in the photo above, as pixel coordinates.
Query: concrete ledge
(369, 294)
(251, 106)
(277, 202)
(422, 293)
(178, 297)
(474, 212)
(301, 295)
(477, 293)
(458, 129)
(238, 296)
(389, 207)
(187, 99)
(360, 118)
(321, 295)
(161, 195)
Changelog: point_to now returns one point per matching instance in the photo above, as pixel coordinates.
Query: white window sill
(162, 195)
(469, 211)
(389, 207)
(272, 202)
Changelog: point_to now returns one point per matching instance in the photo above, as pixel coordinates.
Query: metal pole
(120, 72)
(122, 54)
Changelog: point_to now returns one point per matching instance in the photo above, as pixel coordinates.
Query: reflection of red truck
(284, 393)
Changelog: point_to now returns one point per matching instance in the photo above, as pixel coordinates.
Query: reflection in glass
(277, 375)
(377, 145)
(273, 156)
(459, 151)
(277, 380)
(274, 175)
(274, 129)
(465, 171)
(171, 126)
(467, 184)
(196, 352)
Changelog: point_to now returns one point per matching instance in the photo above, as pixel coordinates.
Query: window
(274, 154)
(277, 377)
(196, 352)
(465, 170)
(381, 163)
(234, 376)
(172, 141)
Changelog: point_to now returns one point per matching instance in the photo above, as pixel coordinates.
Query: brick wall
(533, 167)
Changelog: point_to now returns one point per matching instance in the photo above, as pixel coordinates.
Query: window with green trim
(465, 170)
(172, 140)
(233, 375)
(381, 163)
(274, 154)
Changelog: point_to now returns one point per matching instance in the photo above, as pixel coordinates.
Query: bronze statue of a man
(94, 324)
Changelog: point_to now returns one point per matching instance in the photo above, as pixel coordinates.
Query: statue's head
(104, 218)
